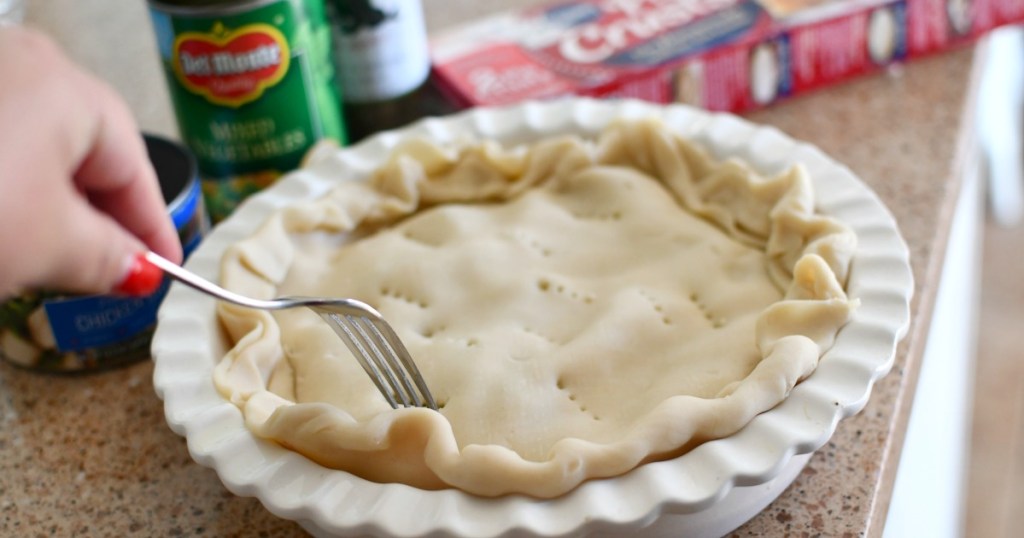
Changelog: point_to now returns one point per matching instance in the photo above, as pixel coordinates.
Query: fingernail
(141, 278)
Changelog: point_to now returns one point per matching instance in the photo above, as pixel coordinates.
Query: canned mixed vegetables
(253, 88)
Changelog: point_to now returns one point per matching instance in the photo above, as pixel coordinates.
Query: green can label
(253, 88)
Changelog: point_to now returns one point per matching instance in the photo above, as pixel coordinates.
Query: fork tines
(384, 358)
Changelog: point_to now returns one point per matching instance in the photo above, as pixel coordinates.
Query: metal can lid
(178, 175)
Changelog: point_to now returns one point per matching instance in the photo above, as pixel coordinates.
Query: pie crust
(580, 307)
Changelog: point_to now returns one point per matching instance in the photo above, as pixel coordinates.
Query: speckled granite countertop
(92, 456)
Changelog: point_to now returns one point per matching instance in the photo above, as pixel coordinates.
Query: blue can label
(56, 332)
(80, 323)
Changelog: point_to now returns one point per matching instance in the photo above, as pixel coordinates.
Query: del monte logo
(231, 67)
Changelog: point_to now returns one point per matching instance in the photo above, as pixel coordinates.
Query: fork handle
(155, 262)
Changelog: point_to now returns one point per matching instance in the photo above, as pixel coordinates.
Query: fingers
(78, 195)
(120, 202)
(118, 179)
(97, 252)
(64, 242)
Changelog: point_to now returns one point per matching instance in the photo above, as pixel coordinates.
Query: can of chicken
(51, 331)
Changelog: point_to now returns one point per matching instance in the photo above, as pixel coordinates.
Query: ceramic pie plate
(705, 492)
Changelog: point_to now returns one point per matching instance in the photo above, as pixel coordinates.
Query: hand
(78, 195)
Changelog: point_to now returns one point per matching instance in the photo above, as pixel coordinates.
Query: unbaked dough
(578, 307)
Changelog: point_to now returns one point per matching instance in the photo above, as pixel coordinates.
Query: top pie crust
(579, 307)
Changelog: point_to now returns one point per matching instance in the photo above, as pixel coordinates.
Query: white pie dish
(707, 491)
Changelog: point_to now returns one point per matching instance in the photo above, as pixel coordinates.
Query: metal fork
(368, 336)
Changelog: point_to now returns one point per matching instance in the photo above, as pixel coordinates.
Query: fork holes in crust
(546, 285)
(530, 242)
(430, 332)
(385, 291)
(657, 307)
(561, 384)
(715, 321)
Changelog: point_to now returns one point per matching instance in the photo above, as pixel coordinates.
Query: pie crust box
(578, 308)
(722, 55)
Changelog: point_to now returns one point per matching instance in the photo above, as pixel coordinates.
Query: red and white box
(727, 55)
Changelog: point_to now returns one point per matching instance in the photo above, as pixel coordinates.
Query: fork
(368, 336)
